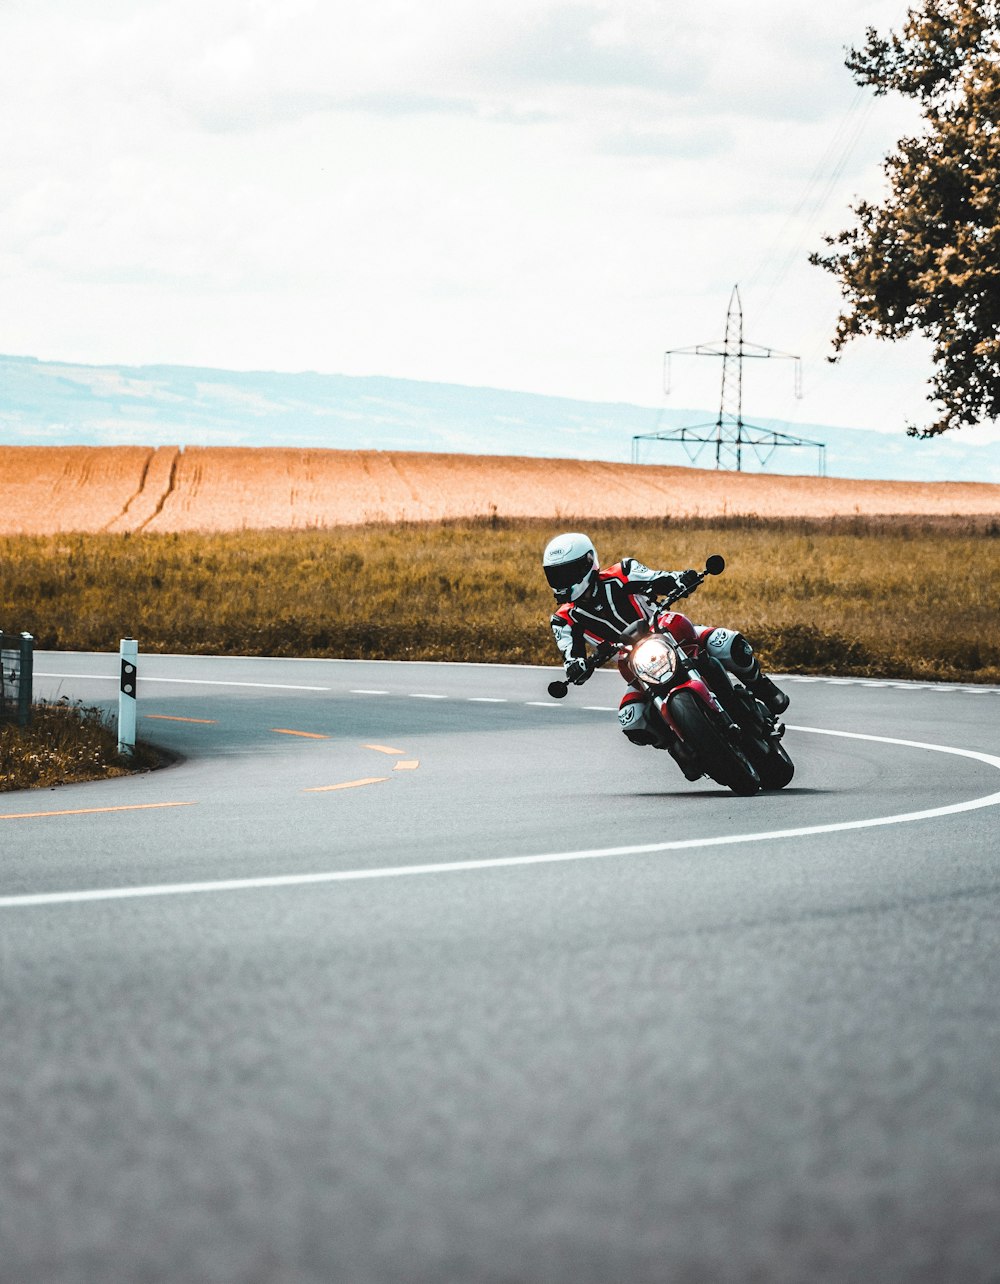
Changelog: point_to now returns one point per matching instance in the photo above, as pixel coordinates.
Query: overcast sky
(517, 193)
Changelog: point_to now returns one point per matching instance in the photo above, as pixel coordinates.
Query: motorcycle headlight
(654, 660)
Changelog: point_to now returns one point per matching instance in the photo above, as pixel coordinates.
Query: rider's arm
(571, 643)
(646, 580)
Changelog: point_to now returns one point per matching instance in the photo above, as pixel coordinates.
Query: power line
(810, 207)
(819, 187)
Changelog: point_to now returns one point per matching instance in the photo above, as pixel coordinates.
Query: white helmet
(570, 564)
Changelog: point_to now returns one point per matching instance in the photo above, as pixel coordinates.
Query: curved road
(407, 973)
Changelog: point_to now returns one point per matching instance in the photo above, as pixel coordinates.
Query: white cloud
(515, 192)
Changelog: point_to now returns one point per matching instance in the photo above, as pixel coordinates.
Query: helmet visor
(565, 575)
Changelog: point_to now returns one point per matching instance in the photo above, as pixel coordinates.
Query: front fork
(740, 704)
(718, 679)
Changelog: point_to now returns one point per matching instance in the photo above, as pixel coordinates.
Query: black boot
(765, 690)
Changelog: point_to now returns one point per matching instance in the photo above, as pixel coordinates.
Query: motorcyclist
(595, 605)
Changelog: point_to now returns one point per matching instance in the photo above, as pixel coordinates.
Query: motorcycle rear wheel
(777, 769)
(723, 761)
(770, 758)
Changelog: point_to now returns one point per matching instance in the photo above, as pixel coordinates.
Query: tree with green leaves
(927, 259)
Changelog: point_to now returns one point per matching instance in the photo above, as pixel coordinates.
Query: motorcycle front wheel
(702, 729)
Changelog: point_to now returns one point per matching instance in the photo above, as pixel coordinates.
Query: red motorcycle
(709, 722)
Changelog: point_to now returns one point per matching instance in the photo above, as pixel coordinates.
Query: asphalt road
(639, 1030)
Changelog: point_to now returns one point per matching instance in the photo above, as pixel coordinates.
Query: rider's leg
(736, 654)
(643, 726)
(636, 718)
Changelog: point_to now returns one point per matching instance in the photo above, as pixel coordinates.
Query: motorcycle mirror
(715, 564)
(558, 689)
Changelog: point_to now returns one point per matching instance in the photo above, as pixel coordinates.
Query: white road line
(899, 684)
(486, 700)
(602, 708)
(420, 695)
(547, 704)
(547, 858)
(192, 682)
(279, 686)
(468, 664)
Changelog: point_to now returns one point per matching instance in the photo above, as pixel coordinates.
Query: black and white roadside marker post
(127, 696)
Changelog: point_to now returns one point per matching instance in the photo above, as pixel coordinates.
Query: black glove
(577, 671)
(671, 583)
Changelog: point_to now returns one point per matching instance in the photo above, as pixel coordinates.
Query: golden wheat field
(50, 489)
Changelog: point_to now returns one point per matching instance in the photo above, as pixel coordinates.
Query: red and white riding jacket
(618, 597)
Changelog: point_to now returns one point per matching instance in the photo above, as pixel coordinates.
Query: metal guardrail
(16, 666)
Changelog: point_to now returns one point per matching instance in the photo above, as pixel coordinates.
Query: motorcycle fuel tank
(680, 629)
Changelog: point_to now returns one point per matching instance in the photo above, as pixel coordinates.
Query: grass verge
(879, 597)
(65, 743)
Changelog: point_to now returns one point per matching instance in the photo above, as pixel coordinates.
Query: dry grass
(45, 489)
(65, 743)
(906, 598)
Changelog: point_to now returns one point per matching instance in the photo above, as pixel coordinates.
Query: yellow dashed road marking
(172, 717)
(90, 811)
(404, 764)
(347, 784)
(309, 735)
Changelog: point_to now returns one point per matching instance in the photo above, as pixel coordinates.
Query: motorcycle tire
(723, 761)
(769, 758)
(777, 769)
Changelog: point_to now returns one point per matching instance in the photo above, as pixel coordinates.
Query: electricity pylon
(730, 433)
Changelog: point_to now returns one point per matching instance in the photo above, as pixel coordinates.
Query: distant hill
(54, 403)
